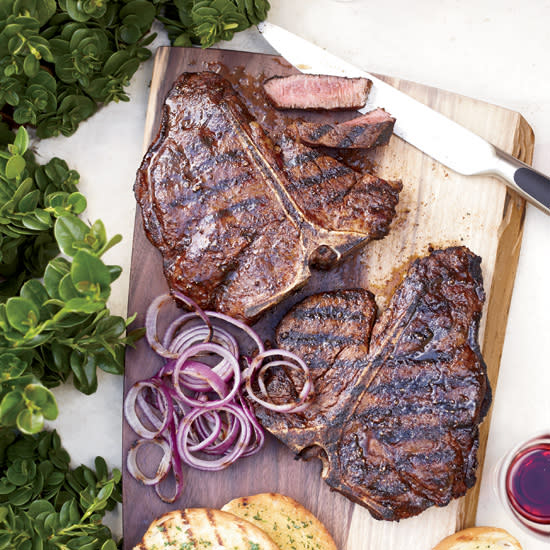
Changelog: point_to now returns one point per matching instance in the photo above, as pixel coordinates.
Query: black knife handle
(530, 184)
(535, 184)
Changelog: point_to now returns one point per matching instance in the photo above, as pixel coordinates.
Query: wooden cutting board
(437, 208)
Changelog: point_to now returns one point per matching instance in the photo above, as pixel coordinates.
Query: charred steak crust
(396, 412)
(369, 130)
(217, 201)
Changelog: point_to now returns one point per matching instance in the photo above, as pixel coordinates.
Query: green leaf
(84, 370)
(11, 366)
(67, 290)
(43, 399)
(72, 7)
(115, 271)
(130, 33)
(70, 230)
(5, 538)
(55, 271)
(31, 66)
(109, 545)
(22, 495)
(183, 41)
(101, 468)
(108, 363)
(30, 201)
(83, 305)
(76, 202)
(110, 327)
(34, 291)
(36, 223)
(40, 506)
(115, 61)
(21, 140)
(15, 167)
(44, 10)
(30, 422)
(90, 275)
(11, 405)
(22, 313)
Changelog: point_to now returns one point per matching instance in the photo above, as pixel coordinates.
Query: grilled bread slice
(480, 538)
(286, 521)
(204, 529)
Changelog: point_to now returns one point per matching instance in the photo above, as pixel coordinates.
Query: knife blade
(431, 132)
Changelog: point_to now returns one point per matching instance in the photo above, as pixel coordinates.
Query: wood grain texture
(437, 208)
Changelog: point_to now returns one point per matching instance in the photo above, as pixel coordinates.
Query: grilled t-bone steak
(363, 132)
(317, 92)
(395, 414)
(238, 224)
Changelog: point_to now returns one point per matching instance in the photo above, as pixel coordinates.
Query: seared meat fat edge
(396, 411)
(238, 222)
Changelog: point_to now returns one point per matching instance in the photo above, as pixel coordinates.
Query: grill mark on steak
(303, 158)
(396, 433)
(351, 138)
(319, 131)
(329, 312)
(213, 191)
(330, 174)
(369, 130)
(217, 203)
(333, 195)
(294, 338)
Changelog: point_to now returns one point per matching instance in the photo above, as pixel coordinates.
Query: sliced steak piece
(369, 130)
(335, 196)
(218, 205)
(394, 420)
(315, 92)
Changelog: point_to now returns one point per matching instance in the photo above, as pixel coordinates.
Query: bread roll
(286, 521)
(204, 529)
(479, 538)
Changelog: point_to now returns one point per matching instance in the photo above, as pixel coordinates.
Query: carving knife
(434, 134)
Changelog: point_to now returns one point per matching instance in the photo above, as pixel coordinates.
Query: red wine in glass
(528, 485)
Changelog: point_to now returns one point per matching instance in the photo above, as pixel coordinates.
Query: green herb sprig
(44, 504)
(31, 198)
(60, 60)
(60, 325)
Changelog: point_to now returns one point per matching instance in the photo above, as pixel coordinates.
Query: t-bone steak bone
(395, 414)
(236, 232)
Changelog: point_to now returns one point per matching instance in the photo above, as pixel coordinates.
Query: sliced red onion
(226, 459)
(257, 370)
(208, 375)
(163, 467)
(239, 324)
(165, 408)
(193, 407)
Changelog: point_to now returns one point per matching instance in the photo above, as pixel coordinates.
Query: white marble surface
(492, 50)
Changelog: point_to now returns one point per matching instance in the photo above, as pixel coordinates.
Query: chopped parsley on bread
(285, 520)
(204, 529)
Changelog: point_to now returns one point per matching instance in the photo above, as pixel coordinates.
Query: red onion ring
(257, 369)
(209, 375)
(194, 404)
(226, 459)
(130, 409)
(162, 469)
